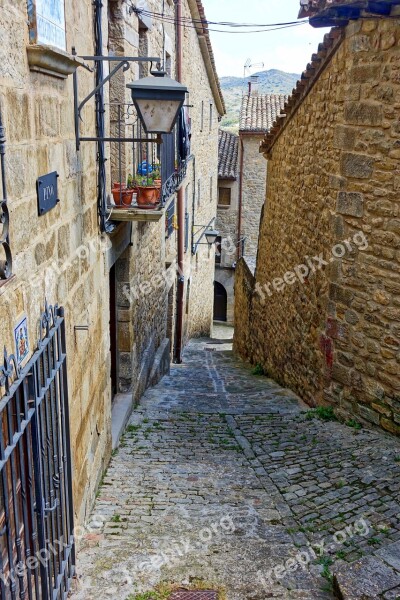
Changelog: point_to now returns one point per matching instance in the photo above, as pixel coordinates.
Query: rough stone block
(369, 415)
(344, 137)
(363, 113)
(359, 166)
(340, 294)
(390, 426)
(350, 203)
(341, 374)
(365, 578)
(364, 73)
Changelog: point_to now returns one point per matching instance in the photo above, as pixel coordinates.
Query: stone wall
(62, 256)
(227, 223)
(244, 289)
(330, 330)
(253, 189)
(58, 256)
(202, 184)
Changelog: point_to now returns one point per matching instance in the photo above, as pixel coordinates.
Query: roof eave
(197, 12)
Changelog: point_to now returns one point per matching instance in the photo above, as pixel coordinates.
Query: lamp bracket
(123, 62)
(203, 228)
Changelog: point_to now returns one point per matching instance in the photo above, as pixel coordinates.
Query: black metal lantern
(211, 236)
(158, 101)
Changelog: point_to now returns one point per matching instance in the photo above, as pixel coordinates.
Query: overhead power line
(195, 23)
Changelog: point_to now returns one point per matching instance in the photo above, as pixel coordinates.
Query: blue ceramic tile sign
(47, 22)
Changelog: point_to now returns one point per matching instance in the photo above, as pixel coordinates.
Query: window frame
(224, 206)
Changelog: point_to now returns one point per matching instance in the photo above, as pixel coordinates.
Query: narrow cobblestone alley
(223, 480)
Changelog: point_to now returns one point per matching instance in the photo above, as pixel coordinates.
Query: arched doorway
(220, 302)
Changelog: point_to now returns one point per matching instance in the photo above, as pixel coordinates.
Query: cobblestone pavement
(225, 479)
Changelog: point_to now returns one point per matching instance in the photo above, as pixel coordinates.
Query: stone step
(370, 578)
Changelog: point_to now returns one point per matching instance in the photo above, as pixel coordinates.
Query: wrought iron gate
(37, 553)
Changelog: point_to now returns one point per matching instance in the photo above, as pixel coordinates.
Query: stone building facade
(227, 225)
(321, 314)
(118, 286)
(242, 178)
(257, 115)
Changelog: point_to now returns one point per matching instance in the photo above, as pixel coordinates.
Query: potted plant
(148, 192)
(156, 177)
(132, 183)
(123, 194)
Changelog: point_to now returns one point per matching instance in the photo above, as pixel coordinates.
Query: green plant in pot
(156, 177)
(123, 193)
(132, 183)
(148, 191)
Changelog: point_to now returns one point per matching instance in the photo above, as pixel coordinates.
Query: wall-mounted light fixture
(158, 100)
(206, 231)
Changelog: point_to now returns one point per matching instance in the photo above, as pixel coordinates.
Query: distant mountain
(233, 88)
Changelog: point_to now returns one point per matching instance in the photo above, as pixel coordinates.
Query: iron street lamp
(208, 232)
(158, 101)
(211, 236)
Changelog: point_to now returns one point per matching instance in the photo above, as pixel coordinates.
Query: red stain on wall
(326, 346)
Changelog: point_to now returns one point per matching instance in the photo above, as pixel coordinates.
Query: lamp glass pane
(158, 115)
(211, 236)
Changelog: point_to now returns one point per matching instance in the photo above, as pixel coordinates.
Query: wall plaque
(47, 192)
(47, 22)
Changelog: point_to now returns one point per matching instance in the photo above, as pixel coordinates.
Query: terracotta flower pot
(148, 196)
(122, 197)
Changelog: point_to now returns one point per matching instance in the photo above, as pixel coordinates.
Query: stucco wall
(333, 183)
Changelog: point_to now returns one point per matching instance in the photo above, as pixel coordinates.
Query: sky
(288, 49)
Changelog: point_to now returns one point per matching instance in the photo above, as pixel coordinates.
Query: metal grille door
(37, 554)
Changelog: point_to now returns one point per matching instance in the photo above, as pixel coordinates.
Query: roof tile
(259, 111)
(228, 150)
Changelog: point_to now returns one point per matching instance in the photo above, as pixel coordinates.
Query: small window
(211, 115)
(218, 250)
(198, 192)
(224, 196)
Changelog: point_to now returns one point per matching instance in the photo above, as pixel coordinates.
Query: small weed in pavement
(133, 428)
(258, 370)
(325, 413)
(374, 541)
(354, 424)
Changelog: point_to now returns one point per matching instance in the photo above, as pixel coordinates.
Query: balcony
(145, 171)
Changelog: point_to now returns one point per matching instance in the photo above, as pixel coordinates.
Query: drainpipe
(239, 247)
(181, 212)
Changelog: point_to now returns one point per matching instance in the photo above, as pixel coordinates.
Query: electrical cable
(206, 22)
(193, 24)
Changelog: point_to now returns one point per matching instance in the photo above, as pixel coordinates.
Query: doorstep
(121, 411)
